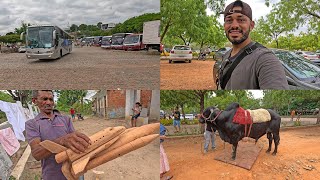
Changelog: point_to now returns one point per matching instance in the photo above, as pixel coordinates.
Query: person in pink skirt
(164, 163)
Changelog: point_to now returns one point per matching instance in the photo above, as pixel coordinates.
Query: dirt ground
(298, 151)
(181, 75)
(142, 163)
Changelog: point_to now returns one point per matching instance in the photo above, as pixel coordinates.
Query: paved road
(84, 68)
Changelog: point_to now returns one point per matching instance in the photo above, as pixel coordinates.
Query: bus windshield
(117, 39)
(131, 39)
(106, 41)
(40, 37)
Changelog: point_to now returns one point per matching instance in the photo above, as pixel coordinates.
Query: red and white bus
(133, 42)
(117, 40)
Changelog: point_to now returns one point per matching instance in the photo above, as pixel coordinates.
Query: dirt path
(181, 75)
(298, 148)
(140, 164)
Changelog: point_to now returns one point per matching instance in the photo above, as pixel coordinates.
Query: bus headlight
(49, 52)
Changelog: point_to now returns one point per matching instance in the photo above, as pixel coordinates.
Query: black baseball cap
(245, 9)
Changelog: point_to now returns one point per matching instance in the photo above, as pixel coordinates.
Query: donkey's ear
(216, 105)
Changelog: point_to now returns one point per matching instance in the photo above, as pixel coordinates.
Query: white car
(307, 54)
(187, 116)
(180, 53)
(22, 49)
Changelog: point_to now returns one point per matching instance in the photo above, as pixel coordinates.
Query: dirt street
(298, 158)
(140, 164)
(196, 75)
(84, 68)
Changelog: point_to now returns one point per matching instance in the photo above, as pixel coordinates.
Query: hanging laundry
(5, 164)
(15, 117)
(9, 141)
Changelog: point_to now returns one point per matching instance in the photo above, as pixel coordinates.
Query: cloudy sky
(64, 12)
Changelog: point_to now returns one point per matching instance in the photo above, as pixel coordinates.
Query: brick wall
(146, 98)
(116, 103)
(116, 98)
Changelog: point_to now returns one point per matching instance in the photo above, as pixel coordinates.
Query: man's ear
(252, 23)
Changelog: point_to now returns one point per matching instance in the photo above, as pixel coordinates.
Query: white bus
(47, 42)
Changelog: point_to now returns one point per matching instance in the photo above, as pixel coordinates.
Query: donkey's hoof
(274, 153)
(268, 151)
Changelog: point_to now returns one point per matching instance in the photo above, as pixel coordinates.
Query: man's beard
(244, 37)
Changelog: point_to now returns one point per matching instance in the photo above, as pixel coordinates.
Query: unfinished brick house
(112, 104)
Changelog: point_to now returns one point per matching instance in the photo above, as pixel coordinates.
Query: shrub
(166, 122)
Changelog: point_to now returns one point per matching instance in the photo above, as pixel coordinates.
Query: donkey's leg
(269, 136)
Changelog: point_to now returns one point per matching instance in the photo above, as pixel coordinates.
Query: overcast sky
(64, 12)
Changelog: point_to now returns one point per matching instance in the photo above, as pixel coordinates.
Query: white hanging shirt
(15, 117)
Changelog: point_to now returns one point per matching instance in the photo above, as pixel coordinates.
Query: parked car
(318, 53)
(218, 56)
(187, 116)
(22, 49)
(307, 54)
(180, 53)
(316, 61)
(301, 73)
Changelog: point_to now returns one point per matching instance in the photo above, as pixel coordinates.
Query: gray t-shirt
(45, 129)
(259, 70)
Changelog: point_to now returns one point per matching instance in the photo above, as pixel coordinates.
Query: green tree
(74, 28)
(274, 25)
(175, 14)
(13, 38)
(300, 12)
(99, 25)
(22, 29)
(24, 96)
(67, 98)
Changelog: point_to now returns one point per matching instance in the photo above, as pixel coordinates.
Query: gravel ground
(186, 76)
(84, 68)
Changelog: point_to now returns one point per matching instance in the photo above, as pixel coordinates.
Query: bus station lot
(84, 68)
(196, 75)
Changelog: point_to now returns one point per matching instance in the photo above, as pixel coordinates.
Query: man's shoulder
(263, 52)
(31, 121)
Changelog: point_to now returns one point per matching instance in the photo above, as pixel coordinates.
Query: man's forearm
(39, 152)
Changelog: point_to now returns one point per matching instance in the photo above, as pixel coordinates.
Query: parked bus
(87, 41)
(106, 42)
(117, 40)
(97, 40)
(133, 42)
(47, 42)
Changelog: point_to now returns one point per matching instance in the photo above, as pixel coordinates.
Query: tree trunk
(165, 30)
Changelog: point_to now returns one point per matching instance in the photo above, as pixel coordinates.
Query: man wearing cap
(248, 65)
(51, 125)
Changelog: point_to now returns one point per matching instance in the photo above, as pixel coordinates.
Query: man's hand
(76, 141)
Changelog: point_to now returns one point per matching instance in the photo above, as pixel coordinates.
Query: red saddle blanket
(242, 116)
